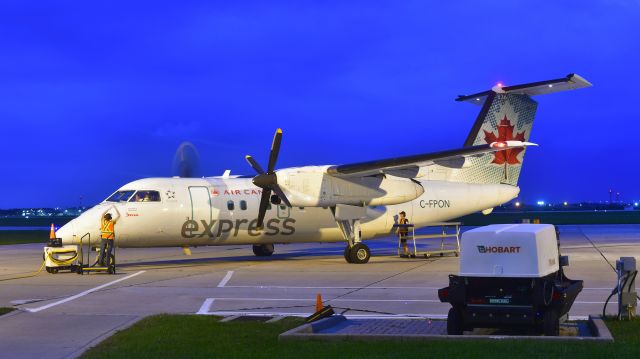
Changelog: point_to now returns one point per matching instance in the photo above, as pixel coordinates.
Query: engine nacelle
(312, 187)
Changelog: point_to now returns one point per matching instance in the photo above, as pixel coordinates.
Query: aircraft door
(200, 203)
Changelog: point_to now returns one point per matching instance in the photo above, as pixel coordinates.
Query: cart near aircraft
(511, 275)
(331, 203)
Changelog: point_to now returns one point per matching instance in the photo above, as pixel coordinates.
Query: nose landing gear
(263, 250)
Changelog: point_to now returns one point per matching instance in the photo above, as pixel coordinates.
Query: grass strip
(5, 310)
(22, 237)
(191, 336)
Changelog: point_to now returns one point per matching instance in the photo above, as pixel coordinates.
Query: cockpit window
(146, 196)
(120, 196)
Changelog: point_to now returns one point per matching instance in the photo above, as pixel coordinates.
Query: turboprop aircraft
(349, 202)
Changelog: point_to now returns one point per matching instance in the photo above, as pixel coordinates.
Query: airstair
(448, 233)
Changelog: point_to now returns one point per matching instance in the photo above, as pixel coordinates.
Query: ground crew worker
(107, 236)
(403, 232)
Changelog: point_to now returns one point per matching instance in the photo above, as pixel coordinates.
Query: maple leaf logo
(505, 133)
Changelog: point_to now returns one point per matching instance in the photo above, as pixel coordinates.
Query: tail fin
(507, 114)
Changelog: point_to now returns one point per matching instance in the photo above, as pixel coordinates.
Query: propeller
(268, 180)
(186, 160)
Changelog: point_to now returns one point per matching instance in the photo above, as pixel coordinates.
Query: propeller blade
(275, 149)
(264, 203)
(254, 164)
(186, 161)
(280, 194)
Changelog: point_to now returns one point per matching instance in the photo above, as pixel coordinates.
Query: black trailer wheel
(263, 250)
(455, 322)
(551, 323)
(347, 254)
(360, 253)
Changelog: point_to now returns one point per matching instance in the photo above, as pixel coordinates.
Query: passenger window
(230, 205)
(146, 196)
(243, 205)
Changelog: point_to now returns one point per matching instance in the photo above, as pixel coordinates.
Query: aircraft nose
(66, 233)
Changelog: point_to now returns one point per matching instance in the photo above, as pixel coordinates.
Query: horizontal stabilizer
(570, 82)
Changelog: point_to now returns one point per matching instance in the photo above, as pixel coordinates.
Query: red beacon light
(498, 145)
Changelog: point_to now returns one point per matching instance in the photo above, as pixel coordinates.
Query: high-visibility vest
(107, 229)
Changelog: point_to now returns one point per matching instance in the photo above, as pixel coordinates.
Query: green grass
(189, 336)
(20, 237)
(5, 310)
(59, 221)
(29, 236)
(551, 217)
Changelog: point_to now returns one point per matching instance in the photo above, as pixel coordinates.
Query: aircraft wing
(408, 166)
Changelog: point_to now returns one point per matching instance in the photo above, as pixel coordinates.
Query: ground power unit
(511, 275)
(60, 257)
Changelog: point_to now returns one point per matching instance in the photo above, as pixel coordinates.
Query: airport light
(565, 203)
(518, 204)
(636, 204)
(540, 203)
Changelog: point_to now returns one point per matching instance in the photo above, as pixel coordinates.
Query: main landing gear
(358, 254)
(263, 250)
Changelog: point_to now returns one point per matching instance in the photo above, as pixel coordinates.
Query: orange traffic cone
(52, 234)
(319, 305)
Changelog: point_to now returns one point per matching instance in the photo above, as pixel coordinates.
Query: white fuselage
(222, 211)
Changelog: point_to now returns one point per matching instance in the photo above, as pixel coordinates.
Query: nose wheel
(358, 254)
(263, 250)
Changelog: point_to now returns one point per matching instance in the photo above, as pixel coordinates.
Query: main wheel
(455, 322)
(551, 323)
(347, 254)
(360, 253)
(263, 250)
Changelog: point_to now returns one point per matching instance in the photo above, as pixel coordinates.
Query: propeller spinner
(268, 181)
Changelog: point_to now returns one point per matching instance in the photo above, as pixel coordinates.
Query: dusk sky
(93, 96)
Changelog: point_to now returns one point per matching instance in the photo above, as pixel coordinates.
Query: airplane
(332, 203)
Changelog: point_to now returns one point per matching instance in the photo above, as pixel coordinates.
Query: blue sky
(95, 95)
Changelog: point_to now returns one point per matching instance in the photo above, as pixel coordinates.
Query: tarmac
(61, 315)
